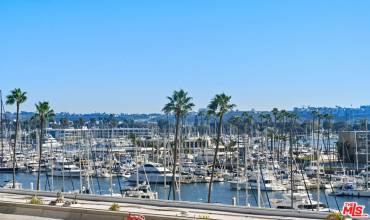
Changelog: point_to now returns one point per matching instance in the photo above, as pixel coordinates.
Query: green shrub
(36, 201)
(114, 207)
(335, 216)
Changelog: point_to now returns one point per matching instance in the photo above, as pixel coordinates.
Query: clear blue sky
(127, 56)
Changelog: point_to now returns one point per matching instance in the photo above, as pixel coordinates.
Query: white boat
(51, 142)
(239, 184)
(9, 185)
(268, 182)
(141, 191)
(311, 170)
(301, 182)
(66, 168)
(338, 181)
(351, 189)
(152, 173)
(301, 201)
(103, 173)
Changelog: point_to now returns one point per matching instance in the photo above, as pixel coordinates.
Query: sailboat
(4, 166)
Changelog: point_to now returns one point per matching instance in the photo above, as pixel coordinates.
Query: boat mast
(245, 170)
(1, 126)
(79, 159)
(52, 165)
(237, 168)
(165, 171)
(110, 163)
(318, 162)
(291, 169)
(258, 175)
(367, 155)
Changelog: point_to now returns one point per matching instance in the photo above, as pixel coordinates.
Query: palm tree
(328, 117)
(79, 123)
(64, 123)
(236, 121)
(179, 104)
(282, 116)
(219, 105)
(275, 113)
(43, 113)
(248, 122)
(17, 97)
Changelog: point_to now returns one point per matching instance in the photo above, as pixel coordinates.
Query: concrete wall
(70, 213)
(160, 203)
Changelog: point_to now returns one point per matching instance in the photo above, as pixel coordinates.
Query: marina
(126, 167)
(151, 110)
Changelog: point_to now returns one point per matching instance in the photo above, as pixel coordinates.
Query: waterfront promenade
(96, 207)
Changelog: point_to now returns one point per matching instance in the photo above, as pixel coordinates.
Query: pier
(14, 202)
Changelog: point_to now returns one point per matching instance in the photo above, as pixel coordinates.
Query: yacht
(7, 168)
(142, 191)
(51, 142)
(67, 168)
(301, 182)
(301, 201)
(103, 173)
(311, 171)
(239, 184)
(152, 173)
(351, 189)
(268, 181)
(9, 185)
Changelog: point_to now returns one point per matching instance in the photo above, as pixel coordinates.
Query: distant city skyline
(127, 56)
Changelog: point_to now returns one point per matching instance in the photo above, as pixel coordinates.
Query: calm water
(189, 192)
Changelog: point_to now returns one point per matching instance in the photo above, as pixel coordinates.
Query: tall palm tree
(218, 106)
(17, 97)
(314, 114)
(248, 123)
(328, 117)
(236, 121)
(43, 113)
(179, 104)
(64, 123)
(275, 113)
(282, 116)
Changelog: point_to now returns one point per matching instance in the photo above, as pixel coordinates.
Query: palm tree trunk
(214, 158)
(15, 143)
(40, 152)
(175, 157)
